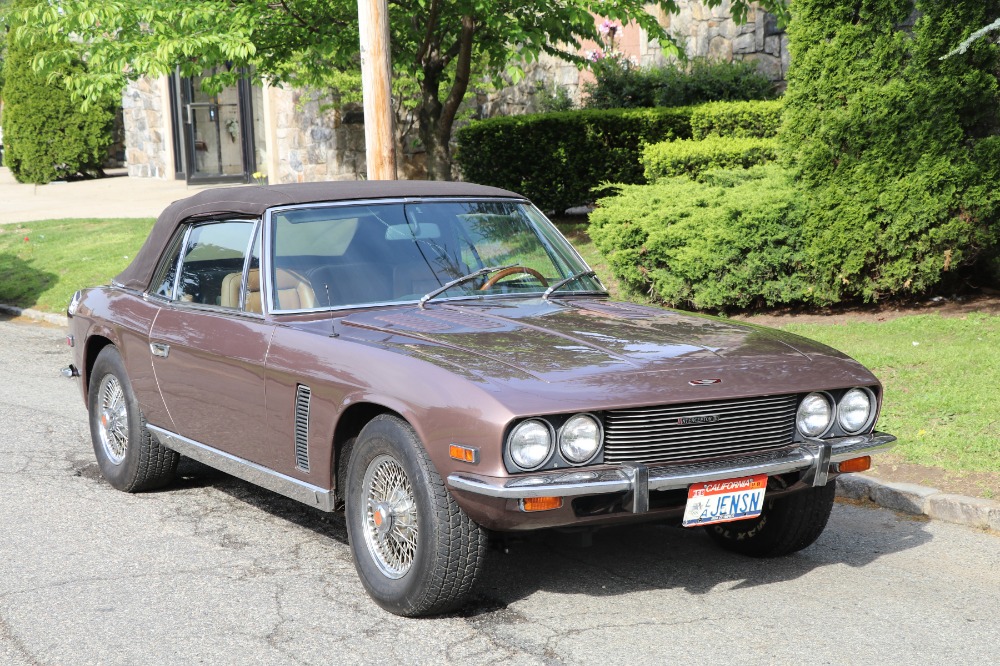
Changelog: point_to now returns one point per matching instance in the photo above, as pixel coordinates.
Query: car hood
(616, 348)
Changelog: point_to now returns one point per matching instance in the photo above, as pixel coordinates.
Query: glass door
(216, 133)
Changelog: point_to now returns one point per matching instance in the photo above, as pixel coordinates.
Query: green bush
(892, 144)
(729, 241)
(620, 85)
(46, 136)
(736, 119)
(690, 157)
(558, 159)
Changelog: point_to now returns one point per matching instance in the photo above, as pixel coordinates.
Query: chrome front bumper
(814, 459)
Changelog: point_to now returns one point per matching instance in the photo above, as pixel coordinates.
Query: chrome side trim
(314, 496)
(580, 481)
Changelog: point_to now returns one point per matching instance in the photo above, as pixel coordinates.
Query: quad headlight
(580, 438)
(530, 444)
(854, 410)
(814, 415)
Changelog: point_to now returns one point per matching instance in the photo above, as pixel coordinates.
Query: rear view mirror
(422, 231)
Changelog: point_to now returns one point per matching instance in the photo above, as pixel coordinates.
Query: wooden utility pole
(376, 86)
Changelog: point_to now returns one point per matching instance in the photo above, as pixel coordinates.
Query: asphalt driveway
(216, 571)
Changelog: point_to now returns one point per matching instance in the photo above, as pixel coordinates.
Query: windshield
(356, 254)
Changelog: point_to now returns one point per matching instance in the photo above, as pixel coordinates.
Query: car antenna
(333, 320)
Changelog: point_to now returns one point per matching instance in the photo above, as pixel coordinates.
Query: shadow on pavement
(620, 560)
(655, 556)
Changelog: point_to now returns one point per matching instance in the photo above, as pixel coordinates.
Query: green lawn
(941, 375)
(43, 263)
(942, 383)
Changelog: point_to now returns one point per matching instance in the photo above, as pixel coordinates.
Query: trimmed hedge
(619, 85)
(558, 159)
(732, 240)
(737, 119)
(46, 135)
(690, 157)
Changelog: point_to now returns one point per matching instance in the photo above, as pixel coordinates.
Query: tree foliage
(438, 46)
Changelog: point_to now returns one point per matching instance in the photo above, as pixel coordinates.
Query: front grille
(699, 431)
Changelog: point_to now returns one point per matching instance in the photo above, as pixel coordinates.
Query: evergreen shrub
(46, 136)
(691, 157)
(729, 241)
(760, 119)
(618, 84)
(893, 145)
(558, 159)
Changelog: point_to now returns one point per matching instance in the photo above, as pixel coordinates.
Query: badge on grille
(690, 420)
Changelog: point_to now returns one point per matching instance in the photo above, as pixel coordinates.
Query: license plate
(725, 501)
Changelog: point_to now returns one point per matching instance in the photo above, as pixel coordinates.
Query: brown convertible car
(436, 359)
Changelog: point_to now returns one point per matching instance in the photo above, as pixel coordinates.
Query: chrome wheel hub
(112, 425)
(390, 517)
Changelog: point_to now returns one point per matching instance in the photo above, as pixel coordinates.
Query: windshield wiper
(562, 283)
(465, 278)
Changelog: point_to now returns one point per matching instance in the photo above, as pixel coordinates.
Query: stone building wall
(146, 119)
(315, 139)
(312, 139)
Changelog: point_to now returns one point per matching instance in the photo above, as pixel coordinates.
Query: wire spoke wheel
(390, 517)
(113, 419)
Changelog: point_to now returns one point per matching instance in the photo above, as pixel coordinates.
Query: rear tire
(129, 457)
(786, 525)
(415, 550)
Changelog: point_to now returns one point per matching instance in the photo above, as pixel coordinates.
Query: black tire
(129, 457)
(416, 553)
(786, 525)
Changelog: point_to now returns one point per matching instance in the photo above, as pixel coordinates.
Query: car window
(163, 282)
(212, 264)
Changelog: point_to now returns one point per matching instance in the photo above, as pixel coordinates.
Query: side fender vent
(303, 395)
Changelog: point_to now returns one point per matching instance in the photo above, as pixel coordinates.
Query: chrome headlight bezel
(830, 418)
(869, 416)
(509, 448)
(598, 439)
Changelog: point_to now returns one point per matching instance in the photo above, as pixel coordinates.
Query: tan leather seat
(253, 292)
(291, 291)
(230, 296)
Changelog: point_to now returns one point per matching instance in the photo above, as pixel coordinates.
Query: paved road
(215, 571)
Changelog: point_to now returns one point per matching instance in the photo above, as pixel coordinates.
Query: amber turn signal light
(467, 454)
(541, 503)
(855, 464)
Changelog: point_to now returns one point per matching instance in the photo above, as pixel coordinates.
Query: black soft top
(252, 201)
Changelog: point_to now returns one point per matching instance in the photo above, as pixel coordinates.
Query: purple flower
(609, 27)
(594, 56)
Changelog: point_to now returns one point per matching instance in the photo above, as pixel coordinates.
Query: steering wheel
(499, 275)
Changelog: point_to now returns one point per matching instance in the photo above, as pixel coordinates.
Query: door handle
(159, 349)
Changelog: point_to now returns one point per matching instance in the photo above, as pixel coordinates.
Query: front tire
(786, 525)
(415, 550)
(127, 454)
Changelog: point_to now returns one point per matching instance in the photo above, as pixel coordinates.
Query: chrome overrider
(814, 459)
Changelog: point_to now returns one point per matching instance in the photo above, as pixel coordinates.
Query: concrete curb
(36, 315)
(903, 497)
(922, 501)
